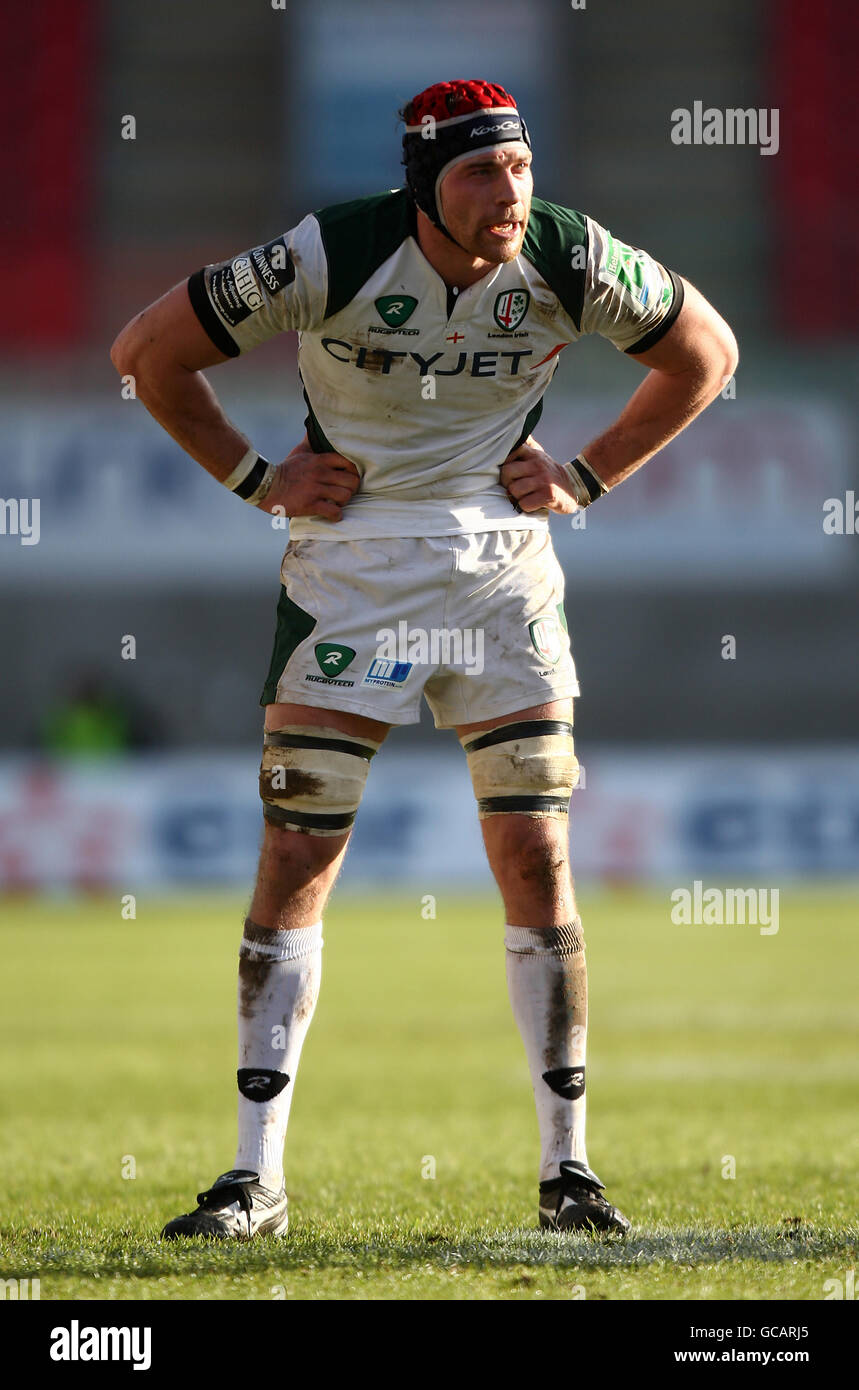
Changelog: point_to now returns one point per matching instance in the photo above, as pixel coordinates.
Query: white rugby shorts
(473, 622)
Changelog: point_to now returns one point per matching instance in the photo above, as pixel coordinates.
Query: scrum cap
(448, 122)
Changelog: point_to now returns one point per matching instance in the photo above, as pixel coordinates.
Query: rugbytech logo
(333, 657)
(396, 308)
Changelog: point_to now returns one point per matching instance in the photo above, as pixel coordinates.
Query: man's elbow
(124, 353)
(723, 352)
(730, 351)
(704, 335)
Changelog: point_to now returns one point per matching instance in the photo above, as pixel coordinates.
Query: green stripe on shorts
(293, 625)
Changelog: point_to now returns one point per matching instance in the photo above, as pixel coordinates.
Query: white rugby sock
(279, 975)
(548, 985)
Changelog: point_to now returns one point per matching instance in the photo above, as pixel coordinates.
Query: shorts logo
(388, 673)
(546, 639)
(333, 657)
(396, 308)
(511, 306)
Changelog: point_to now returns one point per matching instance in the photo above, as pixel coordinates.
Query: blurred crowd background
(142, 141)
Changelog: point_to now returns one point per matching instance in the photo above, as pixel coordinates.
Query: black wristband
(249, 485)
(590, 483)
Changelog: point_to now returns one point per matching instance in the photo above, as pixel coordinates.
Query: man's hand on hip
(310, 484)
(535, 480)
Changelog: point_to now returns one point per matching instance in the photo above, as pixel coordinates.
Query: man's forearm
(662, 406)
(166, 351)
(185, 405)
(688, 368)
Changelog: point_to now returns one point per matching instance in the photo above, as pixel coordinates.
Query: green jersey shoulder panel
(358, 237)
(556, 244)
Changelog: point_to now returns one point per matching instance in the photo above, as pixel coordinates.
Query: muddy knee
(526, 767)
(537, 865)
(312, 779)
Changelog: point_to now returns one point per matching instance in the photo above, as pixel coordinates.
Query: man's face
(486, 201)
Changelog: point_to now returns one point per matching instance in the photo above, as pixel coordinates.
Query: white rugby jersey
(425, 390)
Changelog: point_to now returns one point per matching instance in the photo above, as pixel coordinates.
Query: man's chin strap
(435, 218)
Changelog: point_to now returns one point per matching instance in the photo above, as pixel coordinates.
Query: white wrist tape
(587, 484)
(251, 478)
(580, 492)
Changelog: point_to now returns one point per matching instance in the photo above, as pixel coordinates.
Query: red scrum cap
(448, 122)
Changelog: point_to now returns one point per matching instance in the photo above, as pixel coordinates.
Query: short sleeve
(282, 285)
(629, 298)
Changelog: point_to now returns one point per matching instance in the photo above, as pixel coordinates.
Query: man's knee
(307, 856)
(523, 767)
(528, 853)
(312, 779)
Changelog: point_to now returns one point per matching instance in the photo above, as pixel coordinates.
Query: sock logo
(257, 1083)
(568, 1082)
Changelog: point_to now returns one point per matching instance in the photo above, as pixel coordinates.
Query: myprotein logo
(387, 673)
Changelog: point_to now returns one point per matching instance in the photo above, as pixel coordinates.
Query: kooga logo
(490, 129)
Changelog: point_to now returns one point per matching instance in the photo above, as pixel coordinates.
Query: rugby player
(430, 322)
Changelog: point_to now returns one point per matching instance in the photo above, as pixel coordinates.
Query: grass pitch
(412, 1153)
